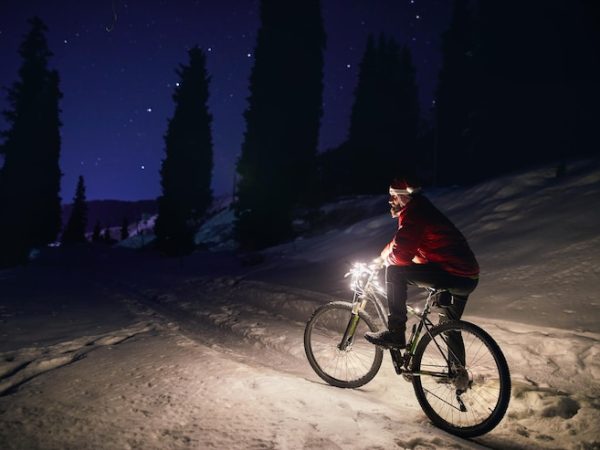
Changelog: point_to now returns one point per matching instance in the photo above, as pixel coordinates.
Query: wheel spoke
(354, 365)
(481, 387)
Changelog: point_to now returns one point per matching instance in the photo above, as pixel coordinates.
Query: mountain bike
(458, 372)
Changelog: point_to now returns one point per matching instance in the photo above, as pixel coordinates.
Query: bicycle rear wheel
(461, 379)
(351, 367)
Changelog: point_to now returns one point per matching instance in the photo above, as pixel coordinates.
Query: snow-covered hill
(108, 348)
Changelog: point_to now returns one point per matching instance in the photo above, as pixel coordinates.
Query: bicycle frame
(458, 372)
(369, 291)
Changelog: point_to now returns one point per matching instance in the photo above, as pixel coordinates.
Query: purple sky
(117, 84)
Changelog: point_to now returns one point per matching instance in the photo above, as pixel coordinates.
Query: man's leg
(456, 346)
(394, 336)
(395, 283)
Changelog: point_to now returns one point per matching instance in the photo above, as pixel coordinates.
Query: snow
(110, 348)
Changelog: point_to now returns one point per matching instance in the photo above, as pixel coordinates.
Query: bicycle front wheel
(351, 366)
(461, 379)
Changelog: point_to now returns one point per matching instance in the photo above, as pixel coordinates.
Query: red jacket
(425, 235)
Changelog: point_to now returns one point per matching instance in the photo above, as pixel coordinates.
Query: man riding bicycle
(427, 250)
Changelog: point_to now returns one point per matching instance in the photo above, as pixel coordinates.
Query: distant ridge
(111, 212)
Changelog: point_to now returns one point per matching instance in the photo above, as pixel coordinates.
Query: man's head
(401, 191)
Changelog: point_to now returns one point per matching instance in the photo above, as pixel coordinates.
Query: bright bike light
(360, 274)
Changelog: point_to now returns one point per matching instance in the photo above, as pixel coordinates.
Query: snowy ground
(119, 349)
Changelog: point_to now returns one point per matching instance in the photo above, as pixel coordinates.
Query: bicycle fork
(348, 336)
(350, 330)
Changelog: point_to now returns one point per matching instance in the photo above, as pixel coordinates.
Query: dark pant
(428, 275)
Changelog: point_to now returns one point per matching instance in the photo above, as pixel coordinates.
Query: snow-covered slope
(207, 352)
(536, 238)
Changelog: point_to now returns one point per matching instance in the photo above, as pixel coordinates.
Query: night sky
(117, 77)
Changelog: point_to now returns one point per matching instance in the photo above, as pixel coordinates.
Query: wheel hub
(462, 379)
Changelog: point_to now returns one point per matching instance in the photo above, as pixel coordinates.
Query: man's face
(397, 202)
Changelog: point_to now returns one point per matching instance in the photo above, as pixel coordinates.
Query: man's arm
(403, 248)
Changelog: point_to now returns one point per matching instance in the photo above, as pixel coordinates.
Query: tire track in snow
(238, 327)
(20, 366)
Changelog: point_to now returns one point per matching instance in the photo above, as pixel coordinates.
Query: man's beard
(395, 210)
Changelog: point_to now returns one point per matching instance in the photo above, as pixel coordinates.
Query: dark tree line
(517, 88)
(30, 206)
(75, 230)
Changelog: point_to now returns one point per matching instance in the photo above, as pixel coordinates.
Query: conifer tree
(277, 162)
(455, 100)
(96, 235)
(77, 224)
(30, 205)
(125, 229)
(106, 236)
(407, 113)
(187, 168)
(382, 139)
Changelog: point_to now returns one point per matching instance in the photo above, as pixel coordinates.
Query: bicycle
(459, 373)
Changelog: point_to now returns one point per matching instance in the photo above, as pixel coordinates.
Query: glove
(377, 264)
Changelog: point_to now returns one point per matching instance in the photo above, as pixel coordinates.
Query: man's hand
(377, 264)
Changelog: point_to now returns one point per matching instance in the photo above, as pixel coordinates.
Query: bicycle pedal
(392, 347)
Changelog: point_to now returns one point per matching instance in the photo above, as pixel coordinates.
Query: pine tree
(382, 139)
(365, 124)
(77, 224)
(278, 161)
(96, 235)
(406, 109)
(187, 168)
(106, 236)
(455, 100)
(30, 205)
(125, 229)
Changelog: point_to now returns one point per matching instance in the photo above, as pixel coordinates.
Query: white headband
(408, 191)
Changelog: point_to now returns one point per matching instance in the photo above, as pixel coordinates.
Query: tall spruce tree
(455, 101)
(96, 235)
(30, 205)
(107, 236)
(75, 230)
(405, 108)
(385, 117)
(124, 228)
(187, 168)
(277, 163)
